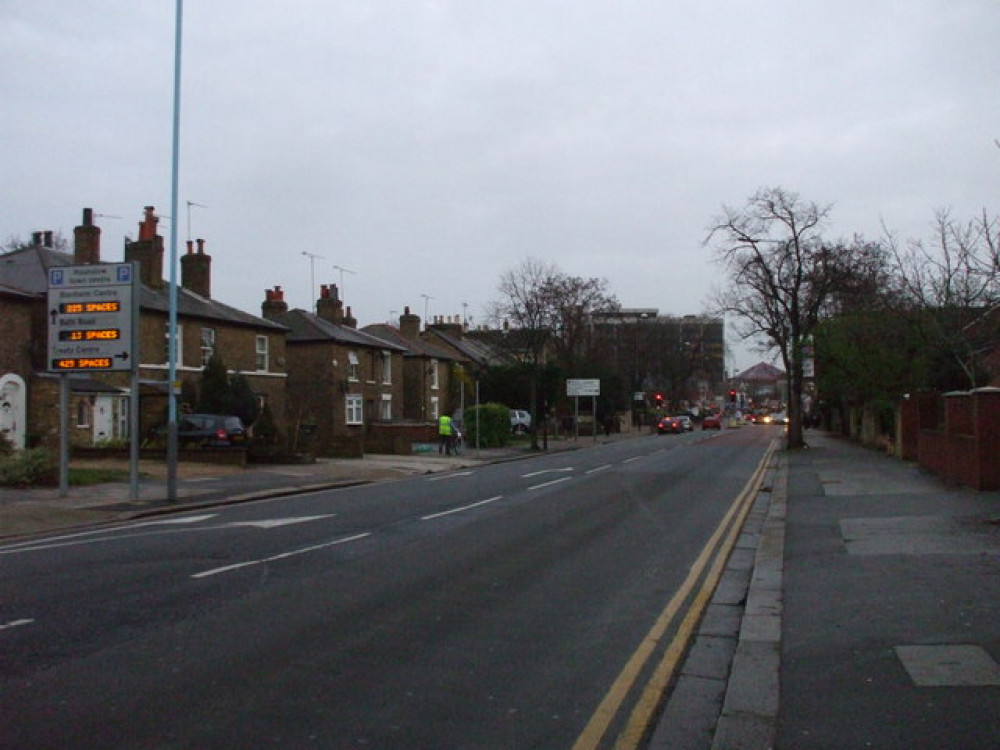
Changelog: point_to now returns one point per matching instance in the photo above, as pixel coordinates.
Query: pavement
(859, 609)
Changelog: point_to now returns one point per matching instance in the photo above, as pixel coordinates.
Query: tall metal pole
(175, 169)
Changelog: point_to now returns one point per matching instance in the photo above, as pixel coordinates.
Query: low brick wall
(399, 439)
(955, 435)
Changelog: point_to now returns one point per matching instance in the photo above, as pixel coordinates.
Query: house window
(179, 362)
(82, 414)
(435, 409)
(262, 354)
(353, 410)
(353, 367)
(207, 344)
(434, 374)
(386, 367)
(385, 408)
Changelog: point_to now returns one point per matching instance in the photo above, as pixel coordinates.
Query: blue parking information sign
(91, 316)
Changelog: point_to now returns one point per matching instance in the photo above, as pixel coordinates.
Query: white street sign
(583, 387)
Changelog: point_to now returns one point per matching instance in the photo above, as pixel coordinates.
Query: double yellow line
(713, 557)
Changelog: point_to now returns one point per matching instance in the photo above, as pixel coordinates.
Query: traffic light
(732, 395)
(658, 397)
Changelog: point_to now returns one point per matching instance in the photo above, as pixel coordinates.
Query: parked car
(520, 421)
(779, 418)
(214, 430)
(672, 425)
(711, 422)
(686, 422)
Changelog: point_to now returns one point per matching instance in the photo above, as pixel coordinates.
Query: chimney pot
(88, 217)
(190, 246)
(201, 247)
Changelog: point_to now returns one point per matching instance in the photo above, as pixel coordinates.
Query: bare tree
(951, 282)
(547, 314)
(781, 277)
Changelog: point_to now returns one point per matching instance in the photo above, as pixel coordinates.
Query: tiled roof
(26, 269)
(761, 371)
(414, 347)
(306, 326)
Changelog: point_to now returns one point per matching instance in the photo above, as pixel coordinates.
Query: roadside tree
(781, 279)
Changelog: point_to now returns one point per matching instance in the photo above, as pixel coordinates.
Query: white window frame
(83, 413)
(386, 367)
(435, 382)
(435, 408)
(262, 354)
(207, 345)
(180, 344)
(354, 409)
(385, 408)
(353, 367)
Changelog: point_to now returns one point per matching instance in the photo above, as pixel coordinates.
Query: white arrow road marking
(173, 521)
(273, 523)
(459, 510)
(450, 476)
(15, 623)
(282, 556)
(546, 471)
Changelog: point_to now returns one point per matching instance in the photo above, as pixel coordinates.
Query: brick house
(16, 367)
(428, 377)
(99, 401)
(345, 382)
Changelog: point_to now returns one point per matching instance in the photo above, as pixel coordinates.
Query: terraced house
(252, 346)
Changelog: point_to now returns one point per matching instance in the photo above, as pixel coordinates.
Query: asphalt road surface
(516, 605)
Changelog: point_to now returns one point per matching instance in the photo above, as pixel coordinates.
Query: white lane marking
(450, 476)
(630, 460)
(281, 556)
(15, 624)
(549, 484)
(273, 523)
(598, 468)
(459, 510)
(546, 471)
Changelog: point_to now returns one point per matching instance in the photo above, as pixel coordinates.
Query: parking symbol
(56, 277)
(125, 274)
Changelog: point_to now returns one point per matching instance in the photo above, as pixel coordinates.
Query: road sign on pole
(583, 387)
(91, 318)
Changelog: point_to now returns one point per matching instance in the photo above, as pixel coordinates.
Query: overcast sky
(428, 146)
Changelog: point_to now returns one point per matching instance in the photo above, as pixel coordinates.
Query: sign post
(93, 313)
(576, 387)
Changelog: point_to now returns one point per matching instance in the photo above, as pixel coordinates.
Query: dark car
(671, 425)
(711, 422)
(214, 430)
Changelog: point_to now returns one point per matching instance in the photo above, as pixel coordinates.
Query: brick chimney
(349, 320)
(87, 240)
(409, 324)
(274, 303)
(196, 270)
(42, 239)
(328, 306)
(148, 250)
(448, 325)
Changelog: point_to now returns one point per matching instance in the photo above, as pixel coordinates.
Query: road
(528, 604)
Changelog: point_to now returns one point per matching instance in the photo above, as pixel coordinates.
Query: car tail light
(220, 434)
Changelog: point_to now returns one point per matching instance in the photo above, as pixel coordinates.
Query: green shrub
(493, 423)
(29, 468)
